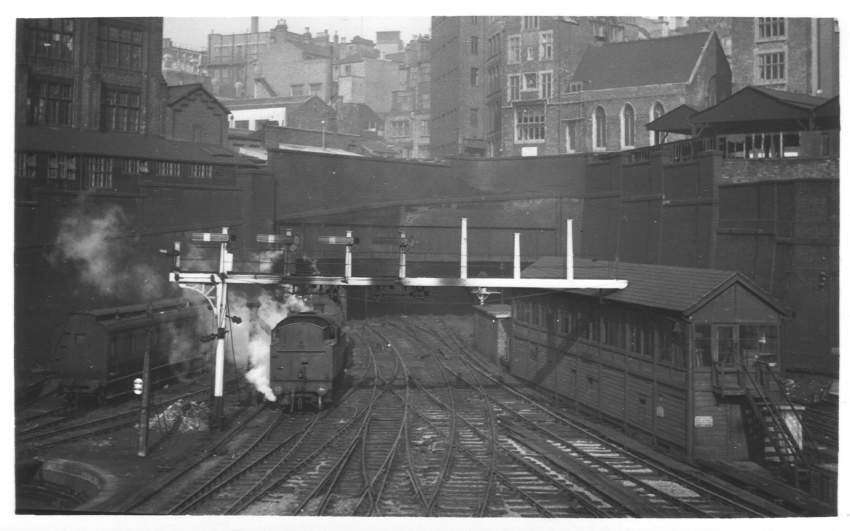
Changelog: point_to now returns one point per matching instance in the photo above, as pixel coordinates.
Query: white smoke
(252, 338)
(98, 244)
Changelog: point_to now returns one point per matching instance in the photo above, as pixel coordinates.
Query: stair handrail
(778, 421)
(807, 439)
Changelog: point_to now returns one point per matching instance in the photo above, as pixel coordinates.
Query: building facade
(368, 80)
(407, 124)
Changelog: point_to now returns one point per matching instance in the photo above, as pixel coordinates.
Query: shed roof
(126, 145)
(266, 103)
(675, 288)
(675, 121)
(178, 92)
(641, 62)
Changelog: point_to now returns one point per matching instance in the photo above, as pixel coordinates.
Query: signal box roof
(680, 289)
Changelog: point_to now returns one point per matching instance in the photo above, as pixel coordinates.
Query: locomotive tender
(101, 351)
(309, 353)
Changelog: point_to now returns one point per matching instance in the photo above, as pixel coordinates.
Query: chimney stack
(255, 24)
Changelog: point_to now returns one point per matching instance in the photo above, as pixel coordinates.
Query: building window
(575, 86)
(26, 165)
(49, 102)
(201, 171)
(400, 128)
(771, 28)
(473, 20)
(241, 124)
(168, 169)
(655, 112)
(61, 167)
(546, 85)
(627, 126)
(473, 77)
(514, 49)
(473, 45)
(346, 70)
(617, 33)
(529, 53)
(530, 81)
(473, 118)
(120, 46)
(530, 125)
(598, 29)
(571, 136)
(136, 167)
(546, 45)
(50, 37)
(513, 87)
(99, 172)
(296, 90)
(530, 23)
(600, 133)
(771, 67)
(120, 110)
(316, 89)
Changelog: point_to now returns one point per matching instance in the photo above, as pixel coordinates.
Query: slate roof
(126, 145)
(755, 104)
(675, 121)
(641, 62)
(264, 103)
(680, 289)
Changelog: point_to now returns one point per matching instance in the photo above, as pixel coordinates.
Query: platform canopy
(759, 108)
(675, 121)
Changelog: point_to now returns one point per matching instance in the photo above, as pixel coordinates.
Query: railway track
(59, 428)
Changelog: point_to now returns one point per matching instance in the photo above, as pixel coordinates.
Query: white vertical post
(570, 271)
(402, 257)
(221, 303)
(516, 255)
(348, 256)
(463, 255)
(177, 255)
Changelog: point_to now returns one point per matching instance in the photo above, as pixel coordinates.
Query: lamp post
(323, 134)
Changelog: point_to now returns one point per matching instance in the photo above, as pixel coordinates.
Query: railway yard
(424, 426)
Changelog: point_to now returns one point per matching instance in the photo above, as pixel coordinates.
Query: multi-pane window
(168, 169)
(771, 27)
(316, 89)
(530, 124)
(771, 66)
(400, 128)
(120, 110)
(473, 77)
(546, 45)
(49, 102)
(99, 172)
(473, 45)
(495, 44)
(600, 133)
(529, 53)
(26, 165)
(655, 113)
(513, 87)
(514, 49)
(201, 171)
(617, 33)
(136, 167)
(61, 166)
(546, 85)
(50, 37)
(627, 125)
(120, 46)
(530, 23)
(473, 118)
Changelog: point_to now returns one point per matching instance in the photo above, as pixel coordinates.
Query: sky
(191, 32)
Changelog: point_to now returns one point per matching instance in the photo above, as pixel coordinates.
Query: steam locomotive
(309, 354)
(101, 351)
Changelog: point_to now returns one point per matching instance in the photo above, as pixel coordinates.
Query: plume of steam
(97, 244)
(252, 339)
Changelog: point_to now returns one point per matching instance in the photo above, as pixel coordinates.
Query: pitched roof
(178, 92)
(758, 104)
(680, 289)
(828, 115)
(675, 121)
(126, 145)
(642, 62)
(265, 103)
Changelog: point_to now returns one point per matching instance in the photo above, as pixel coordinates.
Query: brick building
(388, 42)
(195, 115)
(407, 124)
(617, 88)
(483, 66)
(794, 54)
(369, 80)
(301, 112)
(183, 66)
